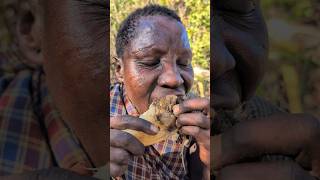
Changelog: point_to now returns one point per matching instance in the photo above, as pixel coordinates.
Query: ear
(29, 33)
(119, 69)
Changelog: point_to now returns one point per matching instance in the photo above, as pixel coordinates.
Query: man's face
(75, 47)
(239, 51)
(157, 61)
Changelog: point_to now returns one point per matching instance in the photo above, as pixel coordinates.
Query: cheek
(132, 76)
(140, 80)
(188, 78)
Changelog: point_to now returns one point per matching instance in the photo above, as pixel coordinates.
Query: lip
(163, 94)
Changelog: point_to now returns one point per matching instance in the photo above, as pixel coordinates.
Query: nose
(222, 59)
(170, 76)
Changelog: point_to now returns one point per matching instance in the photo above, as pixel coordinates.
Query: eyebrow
(149, 50)
(145, 51)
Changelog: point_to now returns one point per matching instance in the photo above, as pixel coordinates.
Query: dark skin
(69, 38)
(239, 53)
(156, 63)
(75, 53)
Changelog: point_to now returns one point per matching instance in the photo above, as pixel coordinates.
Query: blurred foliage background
(292, 80)
(195, 15)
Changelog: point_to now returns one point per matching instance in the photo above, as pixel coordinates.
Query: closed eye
(149, 63)
(184, 64)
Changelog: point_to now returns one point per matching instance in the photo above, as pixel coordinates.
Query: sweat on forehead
(128, 27)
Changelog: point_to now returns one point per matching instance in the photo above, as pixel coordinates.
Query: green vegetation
(293, 78)
(295, 10)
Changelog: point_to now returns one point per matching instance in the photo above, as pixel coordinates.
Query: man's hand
(123, 145)
(286, 134)
(193, 119)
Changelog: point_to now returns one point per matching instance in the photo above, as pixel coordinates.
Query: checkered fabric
(32, 134)
(160, 161)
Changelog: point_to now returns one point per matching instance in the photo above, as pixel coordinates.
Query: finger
(196, 104)
(119, 156)
(202, 136)
(190, 130)
(116, 170)
(284, 134)
(126, 141)
(193, 119)
(134, 123)
(264, 171)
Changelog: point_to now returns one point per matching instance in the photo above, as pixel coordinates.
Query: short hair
(127, 28)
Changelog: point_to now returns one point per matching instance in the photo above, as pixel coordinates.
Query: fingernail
(154, 128)
(175, 109)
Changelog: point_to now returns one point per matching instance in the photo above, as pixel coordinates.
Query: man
(52, 93)
(251, 139)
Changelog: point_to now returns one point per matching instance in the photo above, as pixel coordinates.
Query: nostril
(170, 80)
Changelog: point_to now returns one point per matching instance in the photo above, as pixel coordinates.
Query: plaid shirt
(160, 161)
(32, 134)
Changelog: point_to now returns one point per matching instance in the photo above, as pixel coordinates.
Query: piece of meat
(160, 113)
(164, 111)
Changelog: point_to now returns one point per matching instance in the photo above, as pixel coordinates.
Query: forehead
(151, 22)
(159, 30)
